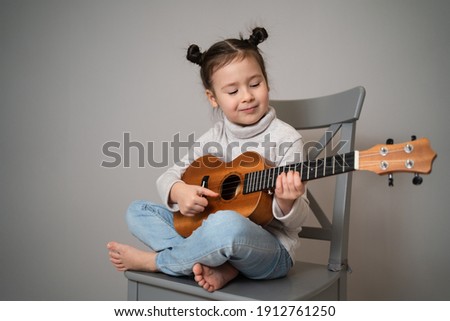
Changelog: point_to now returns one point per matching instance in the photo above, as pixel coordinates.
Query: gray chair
(306, 281)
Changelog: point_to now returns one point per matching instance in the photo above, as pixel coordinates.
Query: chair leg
(342, 286)
(132, 290)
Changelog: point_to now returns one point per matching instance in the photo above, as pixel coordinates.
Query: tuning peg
(390, 141)
(417, 179)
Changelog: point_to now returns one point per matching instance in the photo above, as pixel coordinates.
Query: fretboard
(309, 170)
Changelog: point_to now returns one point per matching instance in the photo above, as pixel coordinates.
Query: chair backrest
(339, 113)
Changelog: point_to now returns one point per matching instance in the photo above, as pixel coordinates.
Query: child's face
(241, 91)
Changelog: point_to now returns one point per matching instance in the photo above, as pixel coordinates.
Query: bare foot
(125, 257)
(214, 278)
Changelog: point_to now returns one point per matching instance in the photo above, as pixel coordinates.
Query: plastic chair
(306, 281)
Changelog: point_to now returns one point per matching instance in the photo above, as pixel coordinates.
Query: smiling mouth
(248, 109)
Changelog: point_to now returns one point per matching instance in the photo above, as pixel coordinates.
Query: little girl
(226, 244)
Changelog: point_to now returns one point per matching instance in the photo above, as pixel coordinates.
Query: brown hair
(223, 52)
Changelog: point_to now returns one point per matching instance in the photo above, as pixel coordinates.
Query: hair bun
(258, 35)
(194, 55)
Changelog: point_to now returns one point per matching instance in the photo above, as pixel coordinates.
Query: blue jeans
(223, 237)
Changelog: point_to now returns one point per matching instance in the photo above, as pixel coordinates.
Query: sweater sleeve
(173, 175)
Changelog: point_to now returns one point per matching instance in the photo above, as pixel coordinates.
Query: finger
(294, 181)
(194, 208)
(297, 181)
(288, 181)
(297, 187)
(201, 201)
(189, 213)
(207, 192)
(279, 182)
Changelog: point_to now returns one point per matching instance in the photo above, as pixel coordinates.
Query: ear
(211, 98)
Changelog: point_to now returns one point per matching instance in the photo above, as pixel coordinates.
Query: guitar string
(264, 175)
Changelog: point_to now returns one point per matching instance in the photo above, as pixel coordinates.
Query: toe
(114, 255)
(197, 269)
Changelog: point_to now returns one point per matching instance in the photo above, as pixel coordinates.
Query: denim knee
(133, 210)
(137, 210)
(228, 224)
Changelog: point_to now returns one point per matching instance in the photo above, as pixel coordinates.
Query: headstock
(415, 156)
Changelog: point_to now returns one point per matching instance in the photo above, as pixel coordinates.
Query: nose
(247, 96)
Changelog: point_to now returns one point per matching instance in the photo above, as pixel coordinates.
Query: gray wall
(77, 74)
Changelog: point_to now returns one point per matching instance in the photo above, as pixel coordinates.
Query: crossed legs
(215, 253)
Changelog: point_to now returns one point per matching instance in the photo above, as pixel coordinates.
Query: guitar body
(226, 179)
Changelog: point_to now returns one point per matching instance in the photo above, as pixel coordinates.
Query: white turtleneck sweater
(272, 138)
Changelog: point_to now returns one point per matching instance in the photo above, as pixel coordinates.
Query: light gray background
(77, 74)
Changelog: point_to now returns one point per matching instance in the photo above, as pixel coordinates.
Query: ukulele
(246, 184)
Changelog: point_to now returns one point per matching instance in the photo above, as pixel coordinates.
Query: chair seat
(305, 281)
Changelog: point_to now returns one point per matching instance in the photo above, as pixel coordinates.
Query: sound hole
(229, 187)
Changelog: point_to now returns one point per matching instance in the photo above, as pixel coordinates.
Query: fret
(319, 168)
(338, 164)
(278, 172)
(324, 168)
(343, 163)
(253, 182)
(248, 176)
(274, 177)
(307, 172)
(245, 184)
(333, 161)
(259, 180)
(315, 173)
(266, 179)
(301, 170)
(332, 165)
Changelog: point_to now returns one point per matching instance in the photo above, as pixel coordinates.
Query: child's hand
(288, 188)
(190, 198)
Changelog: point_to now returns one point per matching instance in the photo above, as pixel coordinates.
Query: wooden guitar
(245, 184)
